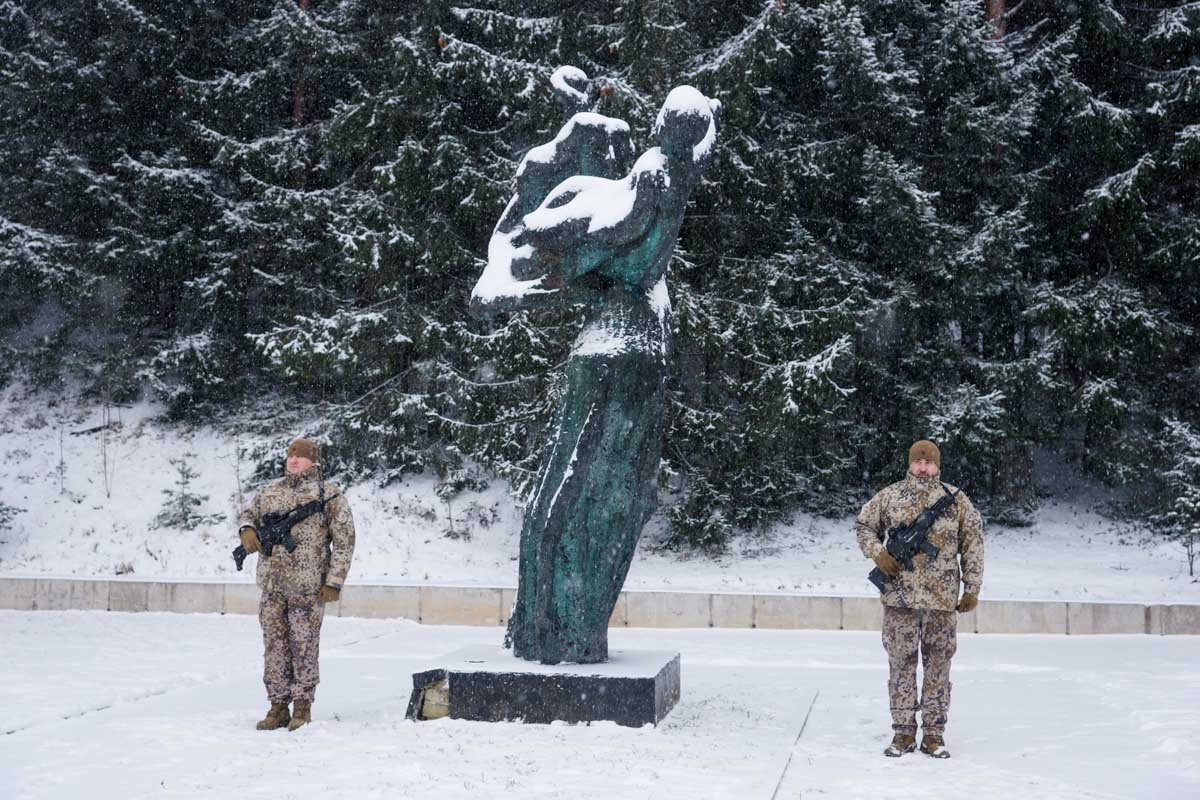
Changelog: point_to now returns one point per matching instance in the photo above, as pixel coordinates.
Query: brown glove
(249, 538)
(330, 594)
(887, 565)
(968, 603)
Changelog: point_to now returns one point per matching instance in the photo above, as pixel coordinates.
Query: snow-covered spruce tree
(871, 284)
(272, 273)
(424, 144)
(1178, 499)
(42, 267)
(85, 86)
(852, 210)
(1113, 303)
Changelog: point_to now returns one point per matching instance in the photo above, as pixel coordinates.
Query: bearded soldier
(919, 605)
(296, 583)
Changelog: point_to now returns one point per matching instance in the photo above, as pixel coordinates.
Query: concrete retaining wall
(462, 605)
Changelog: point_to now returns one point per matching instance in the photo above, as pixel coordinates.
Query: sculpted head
(687, 125)
(572, 89)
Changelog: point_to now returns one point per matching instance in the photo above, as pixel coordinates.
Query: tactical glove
(249, 538)
(330, 594)
(968, 603)
(887, 565)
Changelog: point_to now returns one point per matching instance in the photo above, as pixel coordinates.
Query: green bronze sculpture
(574, 232)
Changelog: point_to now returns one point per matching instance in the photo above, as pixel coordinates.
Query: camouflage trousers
(291, 629)
(935, 634)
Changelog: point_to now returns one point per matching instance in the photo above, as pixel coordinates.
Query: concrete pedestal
(489, 684)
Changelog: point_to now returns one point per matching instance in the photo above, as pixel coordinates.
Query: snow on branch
(1175, 24)
(746, 41)
(300, 28)
(132, 15)
(1122, 187)
(488, 19)
(799, 376)
(494, 61)
(1187, 145)
(39, 250)
(1093, 108)
(968, 415)
(228, 84)
(175, 176)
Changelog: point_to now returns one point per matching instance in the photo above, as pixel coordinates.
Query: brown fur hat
(927, 450)
(305, 448)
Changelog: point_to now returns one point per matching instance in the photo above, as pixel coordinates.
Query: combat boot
(277, 717)
(934, 746)
(901, 743)
(302, 716)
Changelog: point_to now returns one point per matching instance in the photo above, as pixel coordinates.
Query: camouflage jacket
(958, 534)
(324, 541)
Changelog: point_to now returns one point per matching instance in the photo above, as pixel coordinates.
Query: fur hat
(925, 449)
(305, 448)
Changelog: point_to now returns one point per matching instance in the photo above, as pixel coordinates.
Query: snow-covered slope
(70, 524)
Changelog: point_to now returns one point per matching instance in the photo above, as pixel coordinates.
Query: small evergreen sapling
(7, 515)
(1180, 520)
(700, 522)
(180, 508)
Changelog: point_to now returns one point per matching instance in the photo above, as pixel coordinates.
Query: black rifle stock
(904, 542)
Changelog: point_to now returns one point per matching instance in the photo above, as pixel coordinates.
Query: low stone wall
(472, 605)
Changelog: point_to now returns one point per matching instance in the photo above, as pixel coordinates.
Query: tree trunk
(298, 87)
(995, 15)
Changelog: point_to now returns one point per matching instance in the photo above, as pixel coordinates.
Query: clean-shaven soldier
(919, 605)
(295, 586)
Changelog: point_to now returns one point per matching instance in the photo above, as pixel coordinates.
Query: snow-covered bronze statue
(576, 231)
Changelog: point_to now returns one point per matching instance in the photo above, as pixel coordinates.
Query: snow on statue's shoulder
(651, 161)
(690, 101)
(603, 202)
(548, 152)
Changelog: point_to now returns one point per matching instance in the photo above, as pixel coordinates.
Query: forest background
(957, 220)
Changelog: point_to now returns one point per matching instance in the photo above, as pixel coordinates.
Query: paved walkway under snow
(104, 705)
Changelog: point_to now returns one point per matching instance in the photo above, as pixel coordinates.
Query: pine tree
(1110, 303)
(257, 119)
(1178, 514)
(97, 232)
(180, 506)
(925, 219)
(7, 515)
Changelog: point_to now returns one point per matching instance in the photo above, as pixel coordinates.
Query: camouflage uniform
(919, 605)
(289, 611)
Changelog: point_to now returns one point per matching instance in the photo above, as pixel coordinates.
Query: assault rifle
(276, 529)
(904, 542)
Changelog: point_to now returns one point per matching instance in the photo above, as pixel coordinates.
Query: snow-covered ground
(71, 526)
(106, 705)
